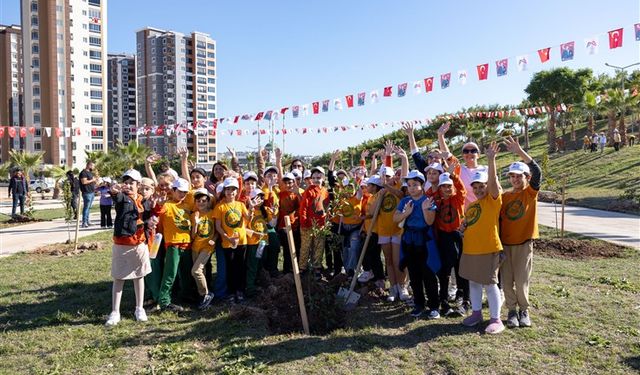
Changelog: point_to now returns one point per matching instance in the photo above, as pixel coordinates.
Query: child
(482, 249)
(175, 222)
(152, 282)
(289, 198)
(418, 215)
(256, 233)
(129, 254)
(518, 228)
(105, 203)
(372, 264)
(313, 214)
(231, 217)
(203, 241)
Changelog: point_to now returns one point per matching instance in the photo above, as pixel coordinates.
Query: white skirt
(130, 262)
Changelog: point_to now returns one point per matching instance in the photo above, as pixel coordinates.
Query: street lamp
(621, 69)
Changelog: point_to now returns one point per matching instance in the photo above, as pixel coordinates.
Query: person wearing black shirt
(18, 187)
(87, 188)
(74, 187)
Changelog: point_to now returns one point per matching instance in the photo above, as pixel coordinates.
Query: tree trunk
(590, 128)
(525, 130)
(611, 127)
(623, 131)
(551, 132)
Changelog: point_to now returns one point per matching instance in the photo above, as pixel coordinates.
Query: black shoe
(239, 297)
(417, 311)
(173, 307)
(206, 301)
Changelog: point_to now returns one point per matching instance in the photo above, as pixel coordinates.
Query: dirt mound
(67, 249)
(578, 249)
(20, 219)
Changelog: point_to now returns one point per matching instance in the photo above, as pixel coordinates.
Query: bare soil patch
(578, 249)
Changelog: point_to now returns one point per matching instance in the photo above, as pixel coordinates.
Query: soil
(19, 219)
(569, 248)
(67, 249)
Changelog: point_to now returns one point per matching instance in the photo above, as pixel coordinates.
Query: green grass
(585, 315)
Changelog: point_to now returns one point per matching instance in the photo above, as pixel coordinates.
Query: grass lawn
(586, 316)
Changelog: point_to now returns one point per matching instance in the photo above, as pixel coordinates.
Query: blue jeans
(351, 246)
(18, 199)
(87, 200)
(220, 286)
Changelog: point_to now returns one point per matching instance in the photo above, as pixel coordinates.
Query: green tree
(28, 161)
(57, 173)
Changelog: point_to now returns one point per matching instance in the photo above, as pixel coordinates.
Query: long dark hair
(293, 162)
(212, 176)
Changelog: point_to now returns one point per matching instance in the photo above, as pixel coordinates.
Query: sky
(273, 54)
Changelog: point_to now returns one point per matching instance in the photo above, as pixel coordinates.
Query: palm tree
(615, 104)
(28, 161)
(590, 108)
(57, 173)
(5, 168)
(133, 153)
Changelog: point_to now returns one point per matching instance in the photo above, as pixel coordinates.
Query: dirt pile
(578, 249)
(67, 249)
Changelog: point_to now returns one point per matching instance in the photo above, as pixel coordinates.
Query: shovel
(348, 296)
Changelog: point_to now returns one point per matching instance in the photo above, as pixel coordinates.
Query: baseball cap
(230, 182)
(473, 144)
(106, 179)
(296, 173)
(364, 182)
(270, 169)
(289, 176)
(201, 191)
(317, 169)
(387, 171)
(219, 188)
(341, 171)
(199, 170)
(480, 176)
(437, 166)
(249, 175)
(181, 185)
(445, 179)
(254, 193)
(146, 181)
(307, 174)
(375, 180)
(519, 168)
(133, 174)
(415, 174)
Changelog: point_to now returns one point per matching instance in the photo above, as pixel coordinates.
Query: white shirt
(466, 175)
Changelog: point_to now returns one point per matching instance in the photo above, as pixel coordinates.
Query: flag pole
(283, 133)
(259, 136)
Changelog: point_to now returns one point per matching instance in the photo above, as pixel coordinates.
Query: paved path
(31, 236)
(609, 226)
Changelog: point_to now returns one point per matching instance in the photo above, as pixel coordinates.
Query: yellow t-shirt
(205, 231)
(258, 224)
(231, 217)
(351, 209)
(190, 201)
(519, 216)
(385, 226)
(176, 223)
(482, 218)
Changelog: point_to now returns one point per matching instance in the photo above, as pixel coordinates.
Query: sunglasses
(470, 151)
(203, 200)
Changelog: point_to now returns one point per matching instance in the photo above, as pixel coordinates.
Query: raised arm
(403, 159)
(374, 161)
(184, 166)
(148, 168)
(493, 184)
(442, 143)
(408, 129)
(261, 156)
(536, 173)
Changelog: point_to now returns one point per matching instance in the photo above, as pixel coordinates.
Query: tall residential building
(11, 89)
(65, 88)
(121, 107)
(176, 84)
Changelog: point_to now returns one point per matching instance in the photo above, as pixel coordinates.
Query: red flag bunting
(316, 107)
(236, 119)
(349, 99)
(12, 132)
(428, 84)
(387, 91)
(23, 132)
(544, 54)
(615, 38)
(32, 130)
(283, 110)
(259, 116)
(483, 71)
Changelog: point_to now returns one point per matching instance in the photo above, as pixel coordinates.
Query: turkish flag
(94, 131)
(215, 123)
(12, 132)
(316, 107)
(78, 132)
(544, 54)
(283, 110)
(160, 130)
(236, 119)
(483, 71)
(23, 132)
(1, 131)
(259, 116)
(58, 132)
(349, 99)
(428, 84)
(615, 38)
(32, 130)
(387, 91)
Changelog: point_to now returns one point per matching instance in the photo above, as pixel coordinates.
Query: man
(87, 187)
(18, 187)
(74, 187)
(616, 139)
(603, 141)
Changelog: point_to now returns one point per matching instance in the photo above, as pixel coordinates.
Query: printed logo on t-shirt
(258, 224)
(389, 203)
(233, 218)
(514, 210)
(447, 213)
(204, 228)
(347, 210)
(473, 214)
(181, 220)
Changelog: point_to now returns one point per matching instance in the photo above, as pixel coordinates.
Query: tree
(589, 107)
(556, 86)
(28, 161)
(616, 104)
(133, 154)
(57, 173)
(5, 168)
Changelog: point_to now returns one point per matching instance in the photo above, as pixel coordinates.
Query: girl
(256, 233)
(105, 203)
(481, 246)
(129, 254)
(231, 217)
(203, 241)
(372, 264)
(418, 215)
(518, 229)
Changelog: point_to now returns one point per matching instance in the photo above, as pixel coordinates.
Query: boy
(313, 214)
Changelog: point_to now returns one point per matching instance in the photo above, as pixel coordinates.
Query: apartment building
(121, 105)
(11, 94)
(65, 87)
(176, 84)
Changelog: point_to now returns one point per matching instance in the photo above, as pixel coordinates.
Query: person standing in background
(87, 187)
(19, 188)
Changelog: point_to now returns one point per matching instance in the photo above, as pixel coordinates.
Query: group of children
(441, 217)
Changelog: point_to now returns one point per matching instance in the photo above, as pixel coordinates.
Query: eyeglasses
(470, 151)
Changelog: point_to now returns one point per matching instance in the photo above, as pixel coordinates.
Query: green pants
(271, 253)
(153, 280)
(177, 262)
(252, 264)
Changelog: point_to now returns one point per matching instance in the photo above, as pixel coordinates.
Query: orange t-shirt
(313, 206)
(519, 216)
(289, 205)
(451, 210)
(350, 209)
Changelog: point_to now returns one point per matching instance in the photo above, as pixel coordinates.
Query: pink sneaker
(495, 326)
(474, 319)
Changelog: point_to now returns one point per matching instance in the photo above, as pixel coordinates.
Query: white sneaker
(365, 276)
(113, 319)
(393, 292)
(403, 293)
(140, 314)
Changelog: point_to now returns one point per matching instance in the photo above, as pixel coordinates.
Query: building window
(36, 90)
(94, 2)
(36, 105)
(96, 55)
(96, 81)
(35, 62)
(211, 63)
(37, 146)
(94, 13)
(211, 46)
(36, 118)
(95, 68)
(94, 27)
(36, 77)
(95, 94)
(96, 121)
(34, 20)
(35, 48)
(95, 41)
(34, 35)
(96, 107)
(96, 147)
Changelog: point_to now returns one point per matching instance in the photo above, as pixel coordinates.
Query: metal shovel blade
(349, 299)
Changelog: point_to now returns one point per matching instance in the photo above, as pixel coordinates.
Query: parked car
(39, 186)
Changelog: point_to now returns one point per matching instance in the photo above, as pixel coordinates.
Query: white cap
(471, 144)
(341, 171)
(108, 179)
(375, 180)
(219, 188)
(519, 168)
(415, 174)
(249, 175)
(254, 193)
(364, 182)
(307, 174)
(289, 176)
(296, 173)
(270, 169)
(445, 179)
(133, 174)
(181, 185)
(436, 166)
(201, 191)
(230, 182)
(480, 176)
(316, 169)
(387, 171)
